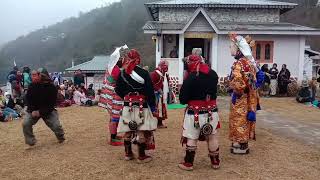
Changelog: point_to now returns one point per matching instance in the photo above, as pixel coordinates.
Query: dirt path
(86, 155)
(308, 133)
(285, 117)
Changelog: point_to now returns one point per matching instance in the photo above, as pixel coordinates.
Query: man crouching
(201, 122)
(41, 100)
(136, 121)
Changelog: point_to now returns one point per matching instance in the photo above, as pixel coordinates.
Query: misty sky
(19, 17)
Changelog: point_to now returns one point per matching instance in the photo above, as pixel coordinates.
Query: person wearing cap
(201, 120)
(244, 81)
(41, 101)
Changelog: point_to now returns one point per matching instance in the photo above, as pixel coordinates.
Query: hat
(114, 58)
(194, 58)
(244, 45)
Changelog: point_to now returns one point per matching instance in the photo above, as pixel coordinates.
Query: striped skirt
(111, 101)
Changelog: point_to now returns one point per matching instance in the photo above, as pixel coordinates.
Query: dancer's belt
(191, 112)
(135, 99)
(197, 107)
(145, 105)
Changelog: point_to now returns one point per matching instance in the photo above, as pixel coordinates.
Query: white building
(205, 24)
(93, 70)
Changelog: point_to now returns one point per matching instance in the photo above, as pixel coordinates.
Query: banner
(199, 35)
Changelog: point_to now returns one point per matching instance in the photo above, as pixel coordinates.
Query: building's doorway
(204, 44)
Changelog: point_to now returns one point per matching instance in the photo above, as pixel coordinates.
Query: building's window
(263, 51)
(258, 52)
(267, 52)
(170, 45)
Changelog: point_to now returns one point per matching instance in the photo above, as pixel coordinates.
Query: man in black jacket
(201, 120)
(41, 100)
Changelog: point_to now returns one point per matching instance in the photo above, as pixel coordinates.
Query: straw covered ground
(86, 154)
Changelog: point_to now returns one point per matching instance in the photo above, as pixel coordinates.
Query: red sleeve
(155, 78)
(115, 72)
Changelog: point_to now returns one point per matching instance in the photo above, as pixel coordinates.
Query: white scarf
(135, 76)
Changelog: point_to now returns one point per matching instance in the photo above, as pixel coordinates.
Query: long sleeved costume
(205, 85)
(244, 101)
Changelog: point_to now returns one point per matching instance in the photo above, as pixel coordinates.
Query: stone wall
(222, 15)
(242, 15)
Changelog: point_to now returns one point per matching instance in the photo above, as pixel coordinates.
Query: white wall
(286, 51)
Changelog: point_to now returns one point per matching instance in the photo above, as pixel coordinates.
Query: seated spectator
(61, 101)
(80, 98)
(69, 94)
(2, 99)
(84, 90)
(90, 92)
(304, 94)
(313, 85)
(8, 108)
(9, 102)
(97, 98)
(63, 90)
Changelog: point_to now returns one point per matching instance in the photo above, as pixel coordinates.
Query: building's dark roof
(153, 7)
(160, 25)
(230, 26)
(166, 3)
(97, 64)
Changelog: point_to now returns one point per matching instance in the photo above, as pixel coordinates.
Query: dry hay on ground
(86, 155)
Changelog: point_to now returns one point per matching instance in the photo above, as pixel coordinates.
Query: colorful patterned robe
(244, 100)
(110, 100)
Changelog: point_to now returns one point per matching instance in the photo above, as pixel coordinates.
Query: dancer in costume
(160, 80)
(201, 121)
(245, 78)
(109, 99)
(137, 119)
